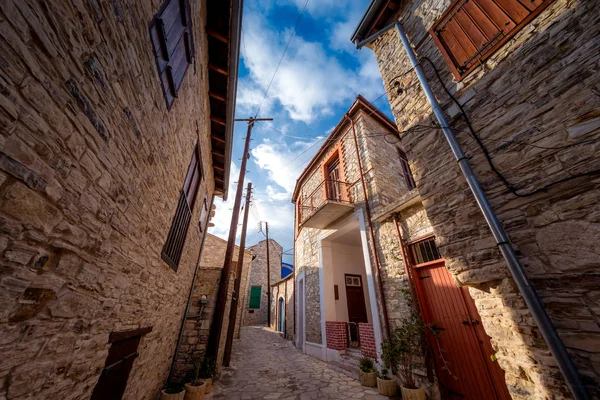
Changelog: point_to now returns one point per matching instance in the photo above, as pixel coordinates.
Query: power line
(281, 59)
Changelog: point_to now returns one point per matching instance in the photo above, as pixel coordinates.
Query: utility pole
(268, 278)
(217, 323)
(238, 282)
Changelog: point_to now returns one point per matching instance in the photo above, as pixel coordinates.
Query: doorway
(281, 325)
(119, 362)
(355, 299)
(465, 361)
(334, 191)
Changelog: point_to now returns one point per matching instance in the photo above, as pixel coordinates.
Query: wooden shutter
(171, 36)
(470, 31)
(255, 292)
(171, 252)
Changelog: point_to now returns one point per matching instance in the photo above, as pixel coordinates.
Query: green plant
(384, 374)
(366, 364)
(174, 387)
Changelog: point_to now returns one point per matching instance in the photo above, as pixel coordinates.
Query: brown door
(113, 381)
(333, 185)
(355, 298)
(464, 356)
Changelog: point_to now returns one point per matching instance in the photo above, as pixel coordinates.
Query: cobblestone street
(266, 366)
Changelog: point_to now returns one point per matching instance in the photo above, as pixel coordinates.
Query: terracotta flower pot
(412, 394)
(195, 391)
(387, 387)
(207, 384)
(368, 379)
(172, 396)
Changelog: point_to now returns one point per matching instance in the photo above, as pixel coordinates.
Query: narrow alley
(266, 366)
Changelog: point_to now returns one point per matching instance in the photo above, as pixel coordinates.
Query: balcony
(330, 201)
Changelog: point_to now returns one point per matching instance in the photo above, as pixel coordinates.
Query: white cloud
(310, 82)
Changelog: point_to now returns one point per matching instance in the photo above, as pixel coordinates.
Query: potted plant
(173, 391)
(368, 373)
(207, 372)
(389, 355)
(408, 339)
(195, 388)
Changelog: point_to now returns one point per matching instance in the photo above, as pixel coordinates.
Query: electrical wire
(486, 152)
(282, 56)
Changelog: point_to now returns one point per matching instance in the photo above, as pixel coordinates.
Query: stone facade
(535, 105)
(200, 316)
(284, 289)
(92, 165)
(258, 277)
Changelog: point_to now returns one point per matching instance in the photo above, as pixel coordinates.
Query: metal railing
(353, 335)
(327, 190)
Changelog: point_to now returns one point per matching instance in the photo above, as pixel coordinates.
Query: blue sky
(319, 78)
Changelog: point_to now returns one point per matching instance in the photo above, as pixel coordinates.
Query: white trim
(370, 282)
(315, 350)
(300, 277)
(322, 300)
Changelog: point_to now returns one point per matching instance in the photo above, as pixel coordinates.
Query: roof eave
(367, 20)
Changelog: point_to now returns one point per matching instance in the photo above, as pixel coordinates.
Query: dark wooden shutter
(470, 31)
(171, 36)
(171, 252)
(406, 172)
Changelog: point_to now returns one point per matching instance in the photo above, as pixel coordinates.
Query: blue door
(281, 314)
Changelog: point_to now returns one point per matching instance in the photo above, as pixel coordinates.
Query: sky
(317, 81)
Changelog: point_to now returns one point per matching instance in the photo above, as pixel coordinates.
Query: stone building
(257, 300)
(282, 307)
(204, 301)
(340, 309)
(525, 78)
(115, 137)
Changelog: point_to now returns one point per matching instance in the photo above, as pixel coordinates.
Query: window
(470, 31)
(406, 173)
(171, 35)
(255, 297)
(424, 251)
(203, 214)
(173, 247)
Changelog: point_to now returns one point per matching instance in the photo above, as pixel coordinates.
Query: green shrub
(366, 364)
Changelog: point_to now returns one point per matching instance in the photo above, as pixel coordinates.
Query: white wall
(338, 260)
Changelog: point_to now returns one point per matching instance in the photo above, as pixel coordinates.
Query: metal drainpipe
(371, 233)
(189, 301)
(535, 305)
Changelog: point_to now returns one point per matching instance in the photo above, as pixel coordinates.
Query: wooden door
(355, 298)
(464, 355)
(113, 381)
(334, 191)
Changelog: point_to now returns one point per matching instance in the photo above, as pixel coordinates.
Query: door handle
(465, 322)
(475, 322)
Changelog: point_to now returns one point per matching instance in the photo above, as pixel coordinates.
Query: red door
(464, 355)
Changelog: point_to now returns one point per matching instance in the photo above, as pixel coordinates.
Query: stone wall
(200, 317)
(258, 277)
(284, 289)
(535, 105)
(92, 167)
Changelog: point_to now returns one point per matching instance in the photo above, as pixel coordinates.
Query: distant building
(255, 312)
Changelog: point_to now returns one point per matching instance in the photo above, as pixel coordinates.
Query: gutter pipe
(534, 303)
(386, 321)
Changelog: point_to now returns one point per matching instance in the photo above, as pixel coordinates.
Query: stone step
(354, 354)
(346, 369)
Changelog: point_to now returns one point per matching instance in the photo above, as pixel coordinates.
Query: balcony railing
(328, 192)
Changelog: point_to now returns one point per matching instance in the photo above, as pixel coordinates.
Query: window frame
(482, 56)
(177, 235)
(409, 179)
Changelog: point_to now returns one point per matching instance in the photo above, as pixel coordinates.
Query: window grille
(424, 251)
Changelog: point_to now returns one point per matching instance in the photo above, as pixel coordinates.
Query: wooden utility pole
(217, 323)
(268, 278)
(238, 282)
